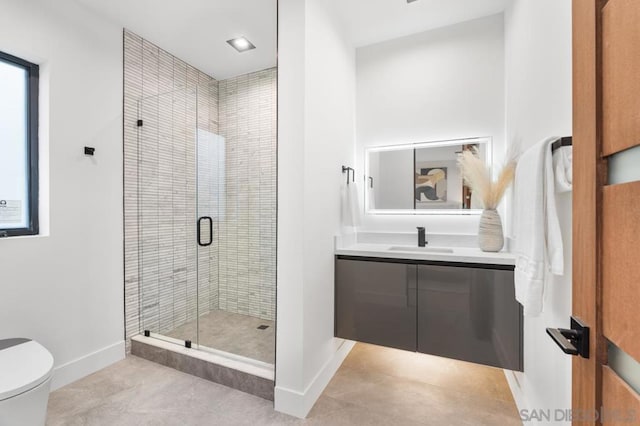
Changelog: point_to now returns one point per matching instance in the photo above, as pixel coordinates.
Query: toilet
(25, 377)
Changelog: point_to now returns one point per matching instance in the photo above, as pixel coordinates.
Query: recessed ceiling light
(411, 1)
(241, 44)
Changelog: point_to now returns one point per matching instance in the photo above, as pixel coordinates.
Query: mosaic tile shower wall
(248, 234)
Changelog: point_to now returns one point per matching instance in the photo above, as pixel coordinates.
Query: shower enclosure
(207, 216)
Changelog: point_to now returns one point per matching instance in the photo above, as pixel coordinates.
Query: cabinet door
(376, 303)
(469, 314)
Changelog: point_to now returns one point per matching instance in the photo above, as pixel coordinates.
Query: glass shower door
(167, 250)
(210, 179)
(206, 216)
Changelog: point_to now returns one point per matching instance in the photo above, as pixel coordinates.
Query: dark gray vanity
(464, 311)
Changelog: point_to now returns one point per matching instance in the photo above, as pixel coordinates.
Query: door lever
(573, 341)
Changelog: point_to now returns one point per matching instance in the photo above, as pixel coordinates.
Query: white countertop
(458, 254)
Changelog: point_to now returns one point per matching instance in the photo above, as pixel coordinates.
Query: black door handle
(200, 243)
(573, 341)
(559, 335)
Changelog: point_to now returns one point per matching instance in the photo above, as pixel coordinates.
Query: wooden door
(606, 214)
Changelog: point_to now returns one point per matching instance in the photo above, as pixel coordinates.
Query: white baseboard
(299, 404)
(516, 390)
(85, 365)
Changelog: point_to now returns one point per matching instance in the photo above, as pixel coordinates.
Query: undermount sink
(421, 249)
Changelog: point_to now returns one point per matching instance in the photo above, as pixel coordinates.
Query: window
(18, 146)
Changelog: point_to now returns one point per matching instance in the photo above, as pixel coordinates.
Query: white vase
(490, 236)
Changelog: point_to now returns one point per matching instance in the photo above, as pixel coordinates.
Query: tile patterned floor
(233, 333)
(374, 386)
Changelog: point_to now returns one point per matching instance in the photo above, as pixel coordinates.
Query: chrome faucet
(422, 238)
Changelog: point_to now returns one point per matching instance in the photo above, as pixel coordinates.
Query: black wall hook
(89, 150)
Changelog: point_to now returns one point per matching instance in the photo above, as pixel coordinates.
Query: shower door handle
(210, 220)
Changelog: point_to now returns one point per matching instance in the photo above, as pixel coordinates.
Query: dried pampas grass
(477, 176)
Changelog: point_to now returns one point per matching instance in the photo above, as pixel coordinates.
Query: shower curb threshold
(244, 374)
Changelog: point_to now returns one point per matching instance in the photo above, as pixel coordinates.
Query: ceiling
(373, 21)
(196, 31)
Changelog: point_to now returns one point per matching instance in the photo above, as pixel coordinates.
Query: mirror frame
(487, 140)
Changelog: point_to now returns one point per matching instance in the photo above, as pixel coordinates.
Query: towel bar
(565, 141)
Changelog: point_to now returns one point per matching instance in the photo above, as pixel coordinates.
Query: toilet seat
(24, 364)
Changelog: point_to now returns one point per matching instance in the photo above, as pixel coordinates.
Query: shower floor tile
(234, 333)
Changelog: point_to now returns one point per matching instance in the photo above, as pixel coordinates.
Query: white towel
(563, 169)
(538, 241)
(350, 205)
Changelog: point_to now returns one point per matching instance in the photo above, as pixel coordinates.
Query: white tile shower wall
(247, 266)
(161, 275)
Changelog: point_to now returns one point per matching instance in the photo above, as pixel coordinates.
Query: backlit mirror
(421, 178)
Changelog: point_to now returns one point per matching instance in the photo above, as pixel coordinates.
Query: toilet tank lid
(24, 364)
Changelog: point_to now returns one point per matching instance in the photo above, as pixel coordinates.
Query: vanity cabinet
(375, 302)
(454, 310)
(469, 313)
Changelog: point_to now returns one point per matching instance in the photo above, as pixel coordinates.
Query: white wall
(442, 84)
(538, 69)
(316, 96)
(64, 288)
